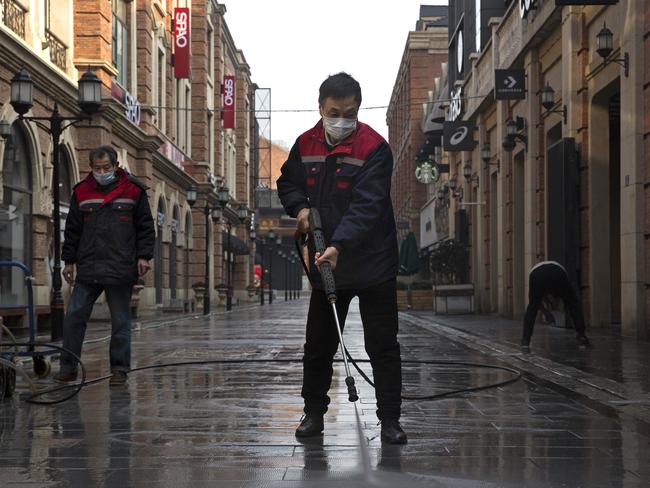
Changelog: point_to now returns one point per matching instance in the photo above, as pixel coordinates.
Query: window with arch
(158, 251)
(15, 216)
(172, 253)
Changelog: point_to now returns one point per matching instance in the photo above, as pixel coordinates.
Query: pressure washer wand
(316, 230)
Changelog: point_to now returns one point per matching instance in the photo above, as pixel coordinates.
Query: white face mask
(104, 178)
(338, 128)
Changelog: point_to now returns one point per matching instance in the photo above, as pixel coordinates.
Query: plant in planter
(199, 289)
(450, 268)
(222, 290)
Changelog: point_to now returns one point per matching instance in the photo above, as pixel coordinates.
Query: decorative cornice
(82, 63)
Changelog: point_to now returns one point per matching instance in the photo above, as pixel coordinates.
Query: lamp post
(286, 274)
(215, 214)
(89, 103)
(294, 274)
(260, 242)
(271, 242)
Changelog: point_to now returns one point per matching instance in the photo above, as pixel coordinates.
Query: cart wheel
(10, 382)
(3, 380)
(42, 366)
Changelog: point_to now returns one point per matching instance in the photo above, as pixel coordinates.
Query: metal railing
(13, 16)
(58, 50)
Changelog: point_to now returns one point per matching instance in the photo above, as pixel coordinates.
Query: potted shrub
(199, 291)
(450, 269)
(421, 295)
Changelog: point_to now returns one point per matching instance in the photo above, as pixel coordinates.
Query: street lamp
(260, 242)
(548, 102)
(605, 46)
(515, 131)
(89, 102)
(285, 258)
(215, 214)
(271, 242)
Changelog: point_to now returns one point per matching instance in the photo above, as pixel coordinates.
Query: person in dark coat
(109, 241)
(548, 281)
(343, 168)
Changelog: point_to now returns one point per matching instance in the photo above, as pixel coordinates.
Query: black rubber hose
(77, 386)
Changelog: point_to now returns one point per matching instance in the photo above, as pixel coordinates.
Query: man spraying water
(343, 168)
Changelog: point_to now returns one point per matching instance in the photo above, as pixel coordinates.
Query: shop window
(15, 217)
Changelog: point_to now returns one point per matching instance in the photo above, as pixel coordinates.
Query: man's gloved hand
(330, 255)
(303, 221)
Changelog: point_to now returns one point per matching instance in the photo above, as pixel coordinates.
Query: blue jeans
(79, 310)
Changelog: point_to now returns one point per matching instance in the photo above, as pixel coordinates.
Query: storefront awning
(237, 246)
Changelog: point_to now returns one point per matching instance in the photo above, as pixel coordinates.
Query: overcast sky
(293, 45)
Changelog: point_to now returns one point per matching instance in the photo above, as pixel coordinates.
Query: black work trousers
(551, 280)
(378, 308)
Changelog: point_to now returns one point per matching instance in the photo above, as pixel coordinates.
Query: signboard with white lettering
(456, 104)
(228, 102)
(525, 6)
(458, 136)
(509, 84)
(181, 42)
(132, 111)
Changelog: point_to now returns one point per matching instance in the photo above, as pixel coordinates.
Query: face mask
(104, 178)
(338, 128)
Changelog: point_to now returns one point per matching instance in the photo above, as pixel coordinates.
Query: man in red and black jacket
(109, 238)
(343, 168)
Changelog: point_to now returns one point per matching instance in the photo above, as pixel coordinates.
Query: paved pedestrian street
(231, 425)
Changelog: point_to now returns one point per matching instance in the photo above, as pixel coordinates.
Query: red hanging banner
(229, 102)
(182, 42)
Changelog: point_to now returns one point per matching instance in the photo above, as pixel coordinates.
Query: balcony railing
(13, 16)
(57, 49)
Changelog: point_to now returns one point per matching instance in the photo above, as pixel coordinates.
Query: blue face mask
(104, 178)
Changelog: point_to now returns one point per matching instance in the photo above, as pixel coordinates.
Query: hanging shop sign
(458, 136)
(456, 104)
(228, 102)
(182, 42)
(509, 84)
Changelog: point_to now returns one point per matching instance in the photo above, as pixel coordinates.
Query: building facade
(562, 172)
(168, 131)
(424, 53)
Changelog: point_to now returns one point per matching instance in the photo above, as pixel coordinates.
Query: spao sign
(229, 102)
(456, 104)
(182, 42)
(525, 6)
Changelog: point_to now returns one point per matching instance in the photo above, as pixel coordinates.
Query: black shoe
(392, 433)
(525, 345)
(583, 342)
(62, 377)
(311, 425)
(118, 378)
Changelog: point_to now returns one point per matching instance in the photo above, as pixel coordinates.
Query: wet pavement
(231, 425)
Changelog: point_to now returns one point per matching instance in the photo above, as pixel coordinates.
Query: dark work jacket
(349, 184)
(108, 229)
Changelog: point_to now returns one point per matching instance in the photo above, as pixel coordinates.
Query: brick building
(572, 184)
(424, 53)
(168, 132)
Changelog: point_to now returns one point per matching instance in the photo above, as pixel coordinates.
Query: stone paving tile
(232, 425)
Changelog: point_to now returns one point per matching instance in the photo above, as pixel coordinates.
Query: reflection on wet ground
(232, 425)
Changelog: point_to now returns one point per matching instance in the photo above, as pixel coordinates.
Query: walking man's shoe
(311, 425)
(583, 342)
(63, 377)
(525, 345)
(392, 433)
(118, 379)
